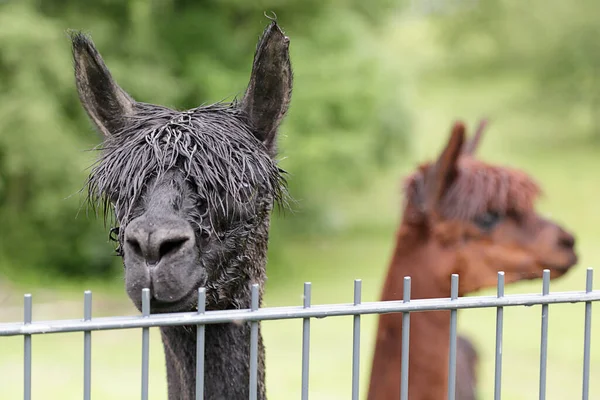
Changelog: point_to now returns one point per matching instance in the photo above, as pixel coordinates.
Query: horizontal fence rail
(291, 312)
(254, 315)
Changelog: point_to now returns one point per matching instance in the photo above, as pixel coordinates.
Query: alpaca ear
(471, 145)
(445, 171)
(270, 89)
(105, 102)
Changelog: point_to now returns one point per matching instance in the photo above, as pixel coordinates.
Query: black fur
(211, 146)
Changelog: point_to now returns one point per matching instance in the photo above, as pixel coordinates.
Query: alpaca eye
(114, 234)
(488, 220)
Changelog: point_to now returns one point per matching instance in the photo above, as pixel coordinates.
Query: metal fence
(27, 328)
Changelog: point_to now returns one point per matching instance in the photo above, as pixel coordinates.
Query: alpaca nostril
(567, 241)
(135, 246)
(151, 241)
(171, 246)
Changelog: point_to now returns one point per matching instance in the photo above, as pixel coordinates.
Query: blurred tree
(41, 152)
(345, 120)
(551, 41)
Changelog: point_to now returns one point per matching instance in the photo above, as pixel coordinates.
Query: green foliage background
(348, 121)
(553, 43)
(344, 123)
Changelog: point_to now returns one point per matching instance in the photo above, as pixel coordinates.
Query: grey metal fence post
(200, 335)
(305, 343)
(87, 347)
(499, 329)
(405, 342)
(453, 316)
(356, 342)
(587, 335)
(145, 343)
(254, 346)
(544, 336)
(27, 311)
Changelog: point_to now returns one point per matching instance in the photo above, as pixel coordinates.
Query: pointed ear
(270, 89)
(471, 145)
(105, 102)
(445, 171)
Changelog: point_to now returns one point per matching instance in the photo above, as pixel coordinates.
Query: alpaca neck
(429, 331)
(226, 346)
(226, 362)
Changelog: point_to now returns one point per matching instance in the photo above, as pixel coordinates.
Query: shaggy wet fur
(212, 146)
(479, 187)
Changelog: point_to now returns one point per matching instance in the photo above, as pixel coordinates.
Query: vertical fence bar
(356, 341)
(452, 362)
(405, 342)
(499, 331)
(87, 347)
(27, 316)
(145, 343)
(587, 334)
(254, 346)
(544, 338)
(200, 333)
(305, 342)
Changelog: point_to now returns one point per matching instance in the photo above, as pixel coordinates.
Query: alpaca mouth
(188, 302)
(161, 307)
(558, 270)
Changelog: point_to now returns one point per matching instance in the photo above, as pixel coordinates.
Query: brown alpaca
(466, 369)
(461, 216)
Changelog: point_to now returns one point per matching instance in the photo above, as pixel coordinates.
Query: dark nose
(566, 240)
(154, 241)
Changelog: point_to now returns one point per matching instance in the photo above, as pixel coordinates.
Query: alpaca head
(482, 218)
(191, 191)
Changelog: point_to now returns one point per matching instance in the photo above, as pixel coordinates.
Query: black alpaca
(192, 194)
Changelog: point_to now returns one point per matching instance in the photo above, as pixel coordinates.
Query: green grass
(57, 359)
(567, 172)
